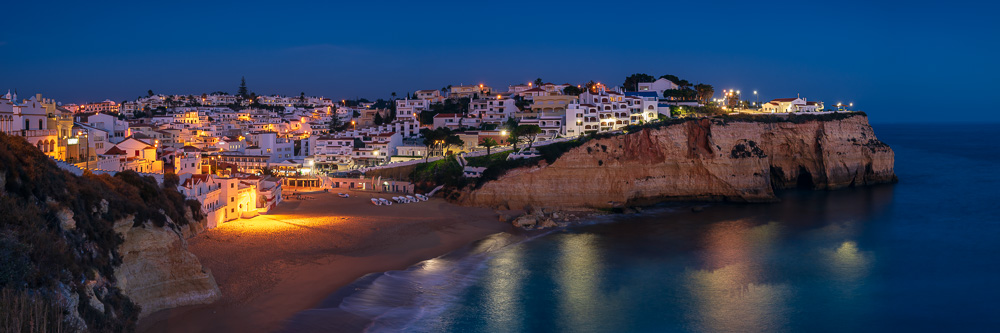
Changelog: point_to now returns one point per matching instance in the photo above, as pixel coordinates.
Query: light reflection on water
(579, 267)
(916, 256)
(732, 268)
(502, 288)
(735, 296)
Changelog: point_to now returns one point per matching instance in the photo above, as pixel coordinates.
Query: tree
(378, 118)
(394, 95)
(684, 84)
(431, 139)
(513, 135)
(150, 92)
(680, 94)
(632, 81)
(538, 83)
(529, 132)
(489, 143)
(572, 90)
(335, 123)
(672, 78)
(242, 91)
(591, 86)
(705, 92)
(452, 140)
(302, 97)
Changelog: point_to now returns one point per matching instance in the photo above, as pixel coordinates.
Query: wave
(401, 300)
(395, 300)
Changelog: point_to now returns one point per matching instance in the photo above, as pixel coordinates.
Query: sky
(910, 61)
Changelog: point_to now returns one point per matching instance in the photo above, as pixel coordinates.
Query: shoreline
(273, 266)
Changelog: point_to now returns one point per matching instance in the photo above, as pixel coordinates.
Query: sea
(922, 255)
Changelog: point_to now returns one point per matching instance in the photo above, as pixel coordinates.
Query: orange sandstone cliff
(704, 159)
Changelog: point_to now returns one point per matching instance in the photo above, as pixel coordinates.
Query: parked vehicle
(376, 202)
(344, 195)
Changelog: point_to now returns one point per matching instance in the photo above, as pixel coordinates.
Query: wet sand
(272, 266)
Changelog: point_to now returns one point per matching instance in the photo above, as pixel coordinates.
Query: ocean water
(920, 255)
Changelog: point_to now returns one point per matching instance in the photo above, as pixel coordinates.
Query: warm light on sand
(266, 224)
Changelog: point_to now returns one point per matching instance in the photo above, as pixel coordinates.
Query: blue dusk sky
(901, 62)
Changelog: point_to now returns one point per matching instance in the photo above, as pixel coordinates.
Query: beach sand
(273, 266)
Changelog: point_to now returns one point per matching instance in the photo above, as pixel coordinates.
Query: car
(344, 195)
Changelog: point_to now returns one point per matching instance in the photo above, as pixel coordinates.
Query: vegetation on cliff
(449, 173)
(57, 237)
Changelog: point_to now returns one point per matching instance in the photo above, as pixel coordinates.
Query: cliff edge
(739, 159)
(95, 251)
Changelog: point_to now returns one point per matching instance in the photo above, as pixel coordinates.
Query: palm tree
(489, 143)
(393, 95)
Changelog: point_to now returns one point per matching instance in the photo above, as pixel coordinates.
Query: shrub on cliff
(58, 229)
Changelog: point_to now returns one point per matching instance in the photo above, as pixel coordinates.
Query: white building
(408, 109)
(454, 121)
(659, 86)
(493, 110)
(607, 111)
(789, 105)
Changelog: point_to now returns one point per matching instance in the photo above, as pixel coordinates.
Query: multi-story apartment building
(105, 106)
(433, 96)
(493, 110)
(29, 120)
(607, 111)
(469, 91)
(408, 109)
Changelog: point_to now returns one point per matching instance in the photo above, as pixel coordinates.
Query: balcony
(31, 133)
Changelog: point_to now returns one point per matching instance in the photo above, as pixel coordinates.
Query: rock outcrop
(95, 246)
(157, 271)
(705, 159)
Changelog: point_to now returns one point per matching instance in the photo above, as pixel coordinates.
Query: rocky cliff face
(92, 247)
(157, 271)
(705, 159)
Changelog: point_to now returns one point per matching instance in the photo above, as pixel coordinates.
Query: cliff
(98, 250)
(157, 271)
(741, 159)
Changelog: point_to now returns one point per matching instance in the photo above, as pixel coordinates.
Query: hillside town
(238, 154)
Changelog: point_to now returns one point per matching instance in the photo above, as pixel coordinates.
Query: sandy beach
(272, 266)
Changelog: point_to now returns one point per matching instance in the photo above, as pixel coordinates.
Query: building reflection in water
(731, 293)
